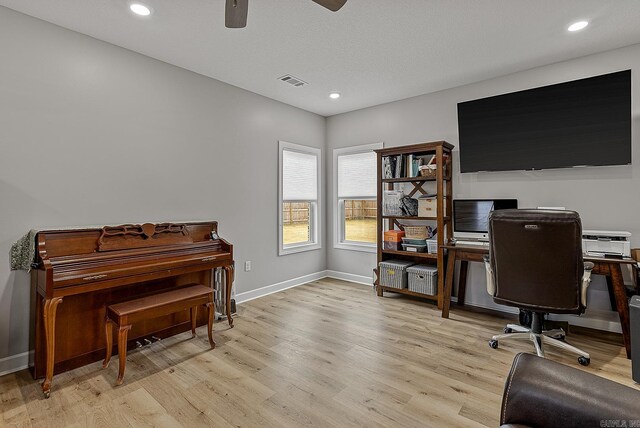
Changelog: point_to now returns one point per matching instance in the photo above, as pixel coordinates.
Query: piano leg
(194, 318)
(49, 315)
(108, 329)
(229, 283)
(211, 310)
(123, 331)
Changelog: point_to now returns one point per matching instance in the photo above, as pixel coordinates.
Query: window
(355, 197)
(299, 200)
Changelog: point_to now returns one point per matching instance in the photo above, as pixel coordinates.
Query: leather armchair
(543, 393)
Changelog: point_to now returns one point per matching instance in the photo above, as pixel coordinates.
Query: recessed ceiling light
(334, 95)
(577, 26)
(140, 9)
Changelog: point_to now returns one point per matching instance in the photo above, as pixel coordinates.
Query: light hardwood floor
(326, 354)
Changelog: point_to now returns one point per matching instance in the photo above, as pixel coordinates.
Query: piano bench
(125, 314)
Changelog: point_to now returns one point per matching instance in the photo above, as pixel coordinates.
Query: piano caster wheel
(493, 344)
(584, 361)
(507, 330)
(47, 394)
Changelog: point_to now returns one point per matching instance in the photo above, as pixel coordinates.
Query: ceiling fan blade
(235, 14)
(332, 5)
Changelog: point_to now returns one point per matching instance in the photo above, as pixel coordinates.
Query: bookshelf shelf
(408, 292)
(439, 153)
(411, 179)
(413, 217)
(411, 254)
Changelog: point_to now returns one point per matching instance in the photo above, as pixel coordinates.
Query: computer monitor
(471, 216)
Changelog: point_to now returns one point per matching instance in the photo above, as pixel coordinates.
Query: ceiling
(371, 51)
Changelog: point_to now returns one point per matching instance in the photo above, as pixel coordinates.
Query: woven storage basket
(428, 173)
(416, 232)
(423, 279)
(393, 273)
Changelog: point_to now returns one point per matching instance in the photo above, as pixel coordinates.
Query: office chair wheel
(507, 330)
(584, 361)
(493, 344)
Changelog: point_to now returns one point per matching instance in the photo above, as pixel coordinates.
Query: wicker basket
(393, 273)
(423, 279)
(416, 232)
(433, 172)
(428, 173)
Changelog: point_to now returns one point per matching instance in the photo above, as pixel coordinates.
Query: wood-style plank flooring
(326, 354)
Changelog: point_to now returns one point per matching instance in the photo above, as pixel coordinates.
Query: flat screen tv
(584, 122)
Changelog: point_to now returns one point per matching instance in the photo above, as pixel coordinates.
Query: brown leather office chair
(535, 263)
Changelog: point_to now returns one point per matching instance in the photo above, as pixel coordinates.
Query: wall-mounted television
(584, 122)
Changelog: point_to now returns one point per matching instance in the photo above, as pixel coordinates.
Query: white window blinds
(357, 175)
(299, 176)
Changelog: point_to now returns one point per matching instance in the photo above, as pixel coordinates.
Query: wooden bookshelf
(444, 191)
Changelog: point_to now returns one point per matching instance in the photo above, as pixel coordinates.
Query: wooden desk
(610, 268)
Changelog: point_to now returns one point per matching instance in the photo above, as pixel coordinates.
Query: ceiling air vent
(287, 78)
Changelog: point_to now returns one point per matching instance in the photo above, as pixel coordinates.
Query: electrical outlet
(247, 266)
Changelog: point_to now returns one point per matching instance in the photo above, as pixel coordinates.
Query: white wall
(606, 198)
(91, 133)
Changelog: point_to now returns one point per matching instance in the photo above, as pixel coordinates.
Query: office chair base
(557, 333)
(553, 338)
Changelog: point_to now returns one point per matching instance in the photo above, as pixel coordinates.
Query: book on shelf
(386, 167)
(399, 166)
(391, 202)
(406, 166)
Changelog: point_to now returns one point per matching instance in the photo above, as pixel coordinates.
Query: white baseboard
(274, 288)
(360, 279)
(596, 320)
(495, 308)
(295, 282)
(14, 363)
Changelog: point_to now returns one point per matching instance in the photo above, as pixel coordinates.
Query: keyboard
(473, 243)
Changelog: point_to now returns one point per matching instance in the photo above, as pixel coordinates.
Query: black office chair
(535, 263)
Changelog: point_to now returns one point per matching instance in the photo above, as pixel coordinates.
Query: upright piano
(78, 272)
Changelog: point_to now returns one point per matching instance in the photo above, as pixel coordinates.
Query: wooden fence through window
(298, 212)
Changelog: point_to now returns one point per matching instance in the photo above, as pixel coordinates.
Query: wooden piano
(79, 272)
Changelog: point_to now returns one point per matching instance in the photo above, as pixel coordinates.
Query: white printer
(606, 242)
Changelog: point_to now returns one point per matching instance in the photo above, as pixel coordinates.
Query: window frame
(315, 211)
(339, 229)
